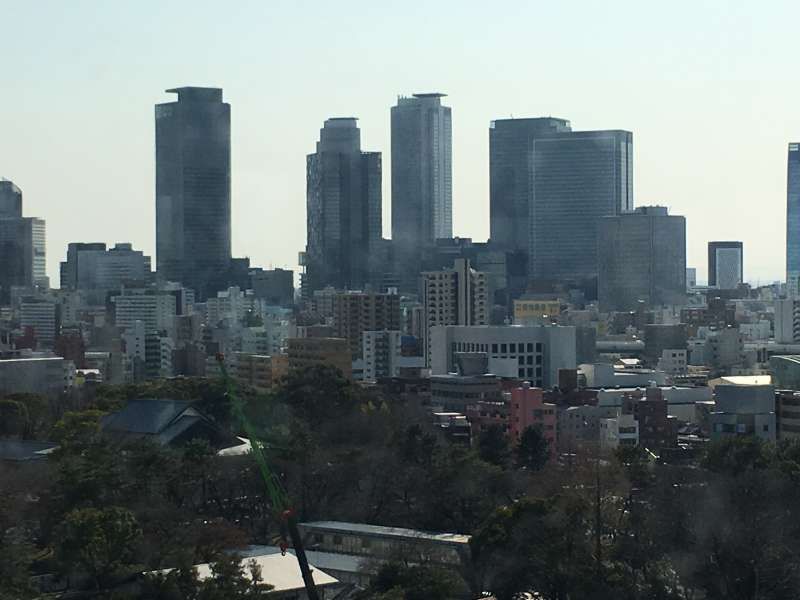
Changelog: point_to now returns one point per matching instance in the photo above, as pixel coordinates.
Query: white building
(230, 306)
(457, 296)
(156, 310)
(604, 375)
(531, 353)
(622, 430)
(744, 410)
(681, 401)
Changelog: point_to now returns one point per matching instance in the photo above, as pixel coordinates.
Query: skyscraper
(10, 199)
(193, 189)
(642, 256)
(344, 222)
(510, 170)
(22, 244)
(422, 174)
(577, 178)
(725, 265)
(793, 220)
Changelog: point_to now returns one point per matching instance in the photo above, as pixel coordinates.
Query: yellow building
(305, 352)
(536, 310)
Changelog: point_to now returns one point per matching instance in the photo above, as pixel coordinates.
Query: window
(494, 348)
(521, 360)
(530, 372)
(522, 372)
(538, 346)
(512, 348)
(503, 348)
(538, 359)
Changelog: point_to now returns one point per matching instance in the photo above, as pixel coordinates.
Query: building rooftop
(430, 95)
(24, 450)
(391, 532)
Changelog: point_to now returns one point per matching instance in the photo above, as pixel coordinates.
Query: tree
(493, 446)
(13, 418)
(398, 581)
(533, 450)
(100, 542)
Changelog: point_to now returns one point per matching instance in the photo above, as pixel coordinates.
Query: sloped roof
(149, 416)
(22, 450)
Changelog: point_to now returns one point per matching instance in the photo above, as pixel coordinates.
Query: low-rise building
(528, 409)
(47, 375)
(254, 370)
(785, 371)
(787, 414)
(744, 410)
(622, 430)
(454, 391)
(306, 352)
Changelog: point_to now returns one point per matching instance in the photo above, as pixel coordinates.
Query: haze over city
(705, 87)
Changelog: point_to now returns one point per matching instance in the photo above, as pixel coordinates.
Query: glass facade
(793, 220)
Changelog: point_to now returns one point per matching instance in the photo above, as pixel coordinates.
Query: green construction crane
(277, 494)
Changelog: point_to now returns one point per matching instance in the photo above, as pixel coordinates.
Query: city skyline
(65, 155)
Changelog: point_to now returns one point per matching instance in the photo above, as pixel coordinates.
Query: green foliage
(398, 581)
(494, 447)
(533, 450)
(99, 542)
(14, 420)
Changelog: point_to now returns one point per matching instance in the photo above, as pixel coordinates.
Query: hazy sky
(709, 89)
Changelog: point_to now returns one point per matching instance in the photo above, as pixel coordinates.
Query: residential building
(578, 178)
(422, 174)
(357, 312)
(228, 306)
(254, 370)
(642, 258)
(47, 375)
(155, 308)
(621, 430)
(725, 265)
(725, 350)
(744, 410)
(344, 221)
(90, 266)
(307, 352)
(528, 409)
(275, 286)
(193, 189)
(787, 414)
(532, 353)
(655, 428)
(793, 220)
(384, 357)
(457, 296)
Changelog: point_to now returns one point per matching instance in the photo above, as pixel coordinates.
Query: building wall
(357, 312)
(725, 264)
(793, 220)
(305, 352)
(47, 376)
(528, 409)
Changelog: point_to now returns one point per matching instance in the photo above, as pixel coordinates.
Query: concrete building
(274, 286)
(787, 320)
(532, 353)
(536, 309)
(787, 414)
(254, 370)
(725, 265)
(528, 409)
(691, 278)
(193, 189)
(90, 266)
(724, 350)
(228, 306)
(43, 318)
(357, 312)
(793, 220)
(578, 178)
(306, 352)
(744, 410)
(605, 375)
(343, 219)
(383, 355)
(456, 392)
(457, 296)
(49, 375)
(658, 338)
(422, 174)
(156, 309)
(642, 257)
(621, 430)
(146, 354)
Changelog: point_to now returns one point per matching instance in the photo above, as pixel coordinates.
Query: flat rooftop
(390, 532)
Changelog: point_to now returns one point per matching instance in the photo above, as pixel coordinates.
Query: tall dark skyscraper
(422, 178)
(10, 199)
(725, 264)
(642, 257)
(577, 178)
(510, 170)
(793, 220)
(193, 189)
(343, 209)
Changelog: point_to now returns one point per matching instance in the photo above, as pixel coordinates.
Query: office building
(274, 286)
(691, 278)
(787, 320)
(457, 296)
(578, 178)
(49, 375)
(532, 353)
(92, 267)
(422, 174)
(155, 309)
(344, 223)
(793, 220)
(193, 189)
(10, 200)
(42, 318)
(357, 312)
(785, 370)
(725, 265)
(641, 258)
(510, 177)
(744, 410)
(536, 309)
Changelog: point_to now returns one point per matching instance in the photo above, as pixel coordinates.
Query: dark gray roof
(146, 416)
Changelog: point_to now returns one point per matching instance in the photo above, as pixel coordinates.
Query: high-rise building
(578, 177)
(357, 312)
(510, 177)
(422, 178)
(10, 200)
(457, 296)
(641, 257)
(793, 220)
(90, 266)
(344, 222)
(725, 265)
(274, 286)
(193, 189)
